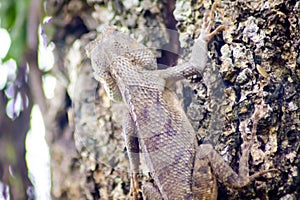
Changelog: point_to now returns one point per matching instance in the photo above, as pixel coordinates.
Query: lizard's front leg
(198, 57)
(132, 146)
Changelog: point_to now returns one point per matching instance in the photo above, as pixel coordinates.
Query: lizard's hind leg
(242, 179)
(212, 166)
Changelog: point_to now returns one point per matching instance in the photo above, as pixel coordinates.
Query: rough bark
(256, 59)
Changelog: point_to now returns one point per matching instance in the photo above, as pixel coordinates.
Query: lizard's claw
(208, 22)
(261, 173)
(135, 189)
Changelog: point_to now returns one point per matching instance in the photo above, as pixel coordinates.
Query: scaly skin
(157, 125)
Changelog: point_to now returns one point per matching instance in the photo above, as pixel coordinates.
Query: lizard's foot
(261, 173)
(135, 189)
(208, 22)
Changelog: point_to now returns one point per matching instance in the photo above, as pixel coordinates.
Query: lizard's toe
(208, 23)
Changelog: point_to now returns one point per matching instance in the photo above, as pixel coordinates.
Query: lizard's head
(102, 51)
(110, 44)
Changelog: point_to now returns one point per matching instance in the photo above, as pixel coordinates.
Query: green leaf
(14, 14)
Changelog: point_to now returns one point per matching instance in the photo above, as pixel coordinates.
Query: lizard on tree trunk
(157, 125)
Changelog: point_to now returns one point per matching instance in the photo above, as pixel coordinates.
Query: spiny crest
(107, 31)
(114, 41)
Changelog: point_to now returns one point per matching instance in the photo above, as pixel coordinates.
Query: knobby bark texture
(256, 59)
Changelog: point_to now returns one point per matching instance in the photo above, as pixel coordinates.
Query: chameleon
(157, 125)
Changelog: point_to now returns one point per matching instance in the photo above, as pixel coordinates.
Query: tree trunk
(256, 59)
